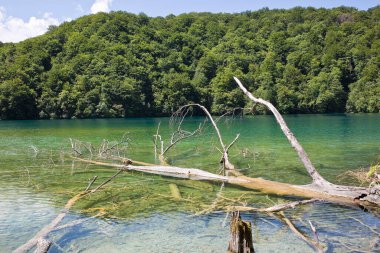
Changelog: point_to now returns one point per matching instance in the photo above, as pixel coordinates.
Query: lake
(137, 213)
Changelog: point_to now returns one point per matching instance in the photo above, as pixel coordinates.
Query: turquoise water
(141, 216)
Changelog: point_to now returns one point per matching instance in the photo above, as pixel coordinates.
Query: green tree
(323, 93)
(17, 100)
(172, 91)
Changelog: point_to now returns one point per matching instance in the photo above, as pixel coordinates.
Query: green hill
(304, 60)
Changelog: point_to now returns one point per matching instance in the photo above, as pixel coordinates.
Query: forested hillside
(120, 64)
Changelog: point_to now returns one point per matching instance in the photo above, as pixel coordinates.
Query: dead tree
(320, 188)
(368, 197)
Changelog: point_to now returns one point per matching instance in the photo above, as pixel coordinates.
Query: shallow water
(141, 215)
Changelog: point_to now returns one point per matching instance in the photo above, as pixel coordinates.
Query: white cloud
(101, 6)
(13, 29)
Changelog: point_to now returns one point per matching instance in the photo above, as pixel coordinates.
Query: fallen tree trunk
(259, 184)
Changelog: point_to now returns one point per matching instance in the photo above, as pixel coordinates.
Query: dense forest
(304, 60)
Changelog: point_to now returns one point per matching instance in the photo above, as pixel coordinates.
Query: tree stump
(240, 235)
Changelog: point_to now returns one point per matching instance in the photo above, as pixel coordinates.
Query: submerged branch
(313, 243)
(54, 223)
(272, 209)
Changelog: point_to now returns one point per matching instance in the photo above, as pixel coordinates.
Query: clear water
(140, 214)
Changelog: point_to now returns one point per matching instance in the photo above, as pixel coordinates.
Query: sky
(22, 19)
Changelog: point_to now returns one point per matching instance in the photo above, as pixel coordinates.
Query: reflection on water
(142, 216)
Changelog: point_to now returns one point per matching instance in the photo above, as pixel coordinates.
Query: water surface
(140, 215)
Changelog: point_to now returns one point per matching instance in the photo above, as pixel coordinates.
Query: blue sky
(20, 19)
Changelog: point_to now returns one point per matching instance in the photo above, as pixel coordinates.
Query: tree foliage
(303, 60)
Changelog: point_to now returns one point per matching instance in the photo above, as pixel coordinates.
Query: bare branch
(105, 149)
(182, 135)
(317, 178)
(370, 228)
(210, 118)
(314, 230)
(224, 160)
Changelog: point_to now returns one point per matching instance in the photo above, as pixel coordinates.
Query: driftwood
(240, 235)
